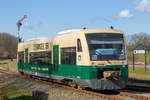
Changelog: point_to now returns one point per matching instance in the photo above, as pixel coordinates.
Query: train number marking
(79, 57)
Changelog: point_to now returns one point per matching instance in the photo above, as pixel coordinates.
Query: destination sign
(139, 51)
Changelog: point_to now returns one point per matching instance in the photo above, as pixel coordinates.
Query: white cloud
(143, 6)
(125, 14)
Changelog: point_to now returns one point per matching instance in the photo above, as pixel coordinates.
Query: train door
(55, 58)
(26, 57)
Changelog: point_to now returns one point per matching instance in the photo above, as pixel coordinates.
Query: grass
(12, 94)
(139, 73)
(16, 95)
(8, 64)
(23, 97)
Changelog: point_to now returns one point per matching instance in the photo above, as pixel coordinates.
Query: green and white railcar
(94, 58)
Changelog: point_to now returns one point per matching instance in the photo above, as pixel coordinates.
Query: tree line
(138, 38)
(8, 46)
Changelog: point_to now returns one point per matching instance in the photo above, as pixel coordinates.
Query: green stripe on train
(71, 71)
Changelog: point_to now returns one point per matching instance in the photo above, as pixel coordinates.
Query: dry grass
(8, 64)
(139, 73)
(139, 59)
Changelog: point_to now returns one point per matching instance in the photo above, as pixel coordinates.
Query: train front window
(106, 46)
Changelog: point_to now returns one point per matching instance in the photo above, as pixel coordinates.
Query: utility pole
(19, 24)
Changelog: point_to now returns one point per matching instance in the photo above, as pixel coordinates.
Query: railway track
(112, 96)
(138, 82)
(138, 88)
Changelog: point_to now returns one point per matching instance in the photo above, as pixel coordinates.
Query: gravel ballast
(9, 83)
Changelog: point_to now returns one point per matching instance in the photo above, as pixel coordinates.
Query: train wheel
(80, 88)
(21, 73)
(72, 84)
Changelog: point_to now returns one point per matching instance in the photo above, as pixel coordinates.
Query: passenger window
(68, 55)
(79, 45)
(41, 58)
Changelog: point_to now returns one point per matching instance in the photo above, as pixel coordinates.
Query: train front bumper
(104, 84)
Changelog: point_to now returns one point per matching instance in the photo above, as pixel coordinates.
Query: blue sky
(47, 17)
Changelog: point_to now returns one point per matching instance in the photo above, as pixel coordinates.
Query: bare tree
(8, 45)
(139, 38)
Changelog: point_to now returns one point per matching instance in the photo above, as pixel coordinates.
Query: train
(84, 58)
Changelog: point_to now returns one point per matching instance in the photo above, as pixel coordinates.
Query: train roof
(73, 34)
(40, 40)
(68, 35)
(68, 31)
(102, 31)
(37, 40)
(89, 31)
